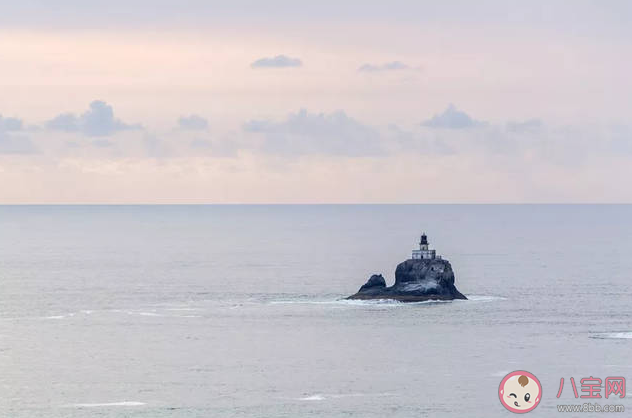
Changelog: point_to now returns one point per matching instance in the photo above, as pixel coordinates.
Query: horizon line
(335, 204)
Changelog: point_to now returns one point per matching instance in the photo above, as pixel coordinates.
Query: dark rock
(375, 281)
(415, 281)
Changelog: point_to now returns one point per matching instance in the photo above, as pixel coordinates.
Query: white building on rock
(423, 253)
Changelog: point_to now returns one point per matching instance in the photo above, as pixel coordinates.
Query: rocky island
(425, 276)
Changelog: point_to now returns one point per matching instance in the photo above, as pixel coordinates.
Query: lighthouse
(424, 253)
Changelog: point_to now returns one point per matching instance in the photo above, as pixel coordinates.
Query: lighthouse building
(424, 253)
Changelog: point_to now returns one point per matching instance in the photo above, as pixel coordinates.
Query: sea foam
(312, 398)
(106, 404)
(624, 335)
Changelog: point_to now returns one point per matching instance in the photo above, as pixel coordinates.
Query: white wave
(322, 397)
(368, 302)
(61, 316)
(312, 398)
(384, 302)
(626, 335)
(391, 302)
(107, 404)
(159, 315)
(357, 302)
(183, 309)
(335, 302)
(484, 298)
(358, 395)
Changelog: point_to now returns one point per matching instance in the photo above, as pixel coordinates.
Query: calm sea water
(236, 311)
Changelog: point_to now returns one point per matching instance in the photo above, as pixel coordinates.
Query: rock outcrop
(415, 281)
(375, 282)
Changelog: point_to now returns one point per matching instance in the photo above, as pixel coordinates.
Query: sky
(197, 101)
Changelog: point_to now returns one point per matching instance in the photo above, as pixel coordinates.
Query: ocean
(239, 311)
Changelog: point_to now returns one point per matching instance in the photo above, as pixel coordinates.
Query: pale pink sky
(416, 102)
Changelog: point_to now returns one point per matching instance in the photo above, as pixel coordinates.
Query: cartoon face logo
(520, 392)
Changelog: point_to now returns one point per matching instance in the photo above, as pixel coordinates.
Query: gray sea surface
(239, 311)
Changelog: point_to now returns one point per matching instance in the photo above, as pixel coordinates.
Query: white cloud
(452, 118)
(16, 144)
(530, 125)
(155, 147)
(10, 143)
(317, 133)
(516, 158)
(99, 120)
(193, 122)
(389, 66)
(279, 61)
(10, 124)
(224, 147)
(103, 143)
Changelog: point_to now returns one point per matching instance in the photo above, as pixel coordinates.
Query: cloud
(220, 148)
(530, 125)
(280, 61)
(156, 147)
(389, 66)
(64, 122)
(203, 144)
(620, 141)
(452, 118)
(11, 143)
(16, 144)
(311, 133)
(409, 142)
(99, 120)
(193, 123)
(10, 124)
(103, 143)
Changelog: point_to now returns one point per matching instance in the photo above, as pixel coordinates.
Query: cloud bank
(316, 133)
(389, 66)
(10, 124)
(10, 143)
(452, 118)
(98, 120)
(338, 157)
(530, 125)
(16, 144)
(279, 61)
(192, 123)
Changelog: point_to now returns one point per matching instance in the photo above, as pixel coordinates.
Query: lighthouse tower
(423, 253)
